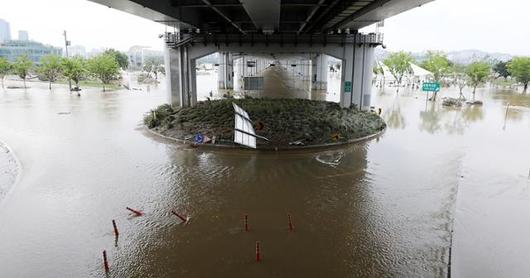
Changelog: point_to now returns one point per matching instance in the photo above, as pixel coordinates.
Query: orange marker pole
(258, 253)
(116, 233)
(137, 212)
(179, 216)
(105, 262)
(291, 227)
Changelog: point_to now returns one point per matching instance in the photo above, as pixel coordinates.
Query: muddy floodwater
(391, 207)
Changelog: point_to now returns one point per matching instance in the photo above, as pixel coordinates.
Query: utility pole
(66, 44)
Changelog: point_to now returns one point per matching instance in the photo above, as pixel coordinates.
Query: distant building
(138, 55)
(77, 50)
(23, 35)
(93, 52)
(5, 31)
(34, 50)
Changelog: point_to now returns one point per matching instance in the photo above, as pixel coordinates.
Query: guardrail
(177, 39)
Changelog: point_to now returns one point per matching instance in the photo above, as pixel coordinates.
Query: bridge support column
(319, 76)
(226, 71)
(356, 79)
(180, 77)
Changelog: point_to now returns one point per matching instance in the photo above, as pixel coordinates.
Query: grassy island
(284, 122)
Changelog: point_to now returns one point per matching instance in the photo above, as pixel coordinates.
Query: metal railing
(175, 39)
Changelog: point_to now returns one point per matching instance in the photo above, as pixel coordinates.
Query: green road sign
(347, 87)
(431, 87)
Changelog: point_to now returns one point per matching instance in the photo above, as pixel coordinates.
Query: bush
(161, 116)
(283, 120)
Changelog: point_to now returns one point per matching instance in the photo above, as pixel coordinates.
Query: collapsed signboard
(244, 133)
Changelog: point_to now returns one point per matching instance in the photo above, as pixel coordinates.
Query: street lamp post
(66, 44)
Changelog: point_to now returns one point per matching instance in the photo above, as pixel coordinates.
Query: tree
(477, 73)
(438, 64)
(460, 76)
(377, 70)
(51, 68)
(398, 64)
(104, 67)
(5, 67)
(501, 69)
(120, 57)
(74, 68)
(519, 68)
(154, 64)
(22, 66)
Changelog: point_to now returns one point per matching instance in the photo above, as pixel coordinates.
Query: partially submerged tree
(104, 67)
(519, 68)
(501, 69)
(51, 68)
(154, 65)
(22, 66)
(460, 79)
(120, 57)
(5, 67)
(378, 70)
(399, 64)
(477, 73)
(438, 64)
(74, 68)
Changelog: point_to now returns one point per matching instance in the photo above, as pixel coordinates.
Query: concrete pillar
(226, 71)
(362, 89)
(357, 74)
(319, 73)
(346, 78)
(193, 81)
(180, 77)
(368, 72)
(171, 60)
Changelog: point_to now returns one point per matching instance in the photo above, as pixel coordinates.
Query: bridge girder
(269, 16)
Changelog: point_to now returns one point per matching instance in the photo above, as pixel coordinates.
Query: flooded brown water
(384, 208)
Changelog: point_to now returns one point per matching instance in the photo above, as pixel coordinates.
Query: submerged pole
(246, 222)
(258, 252)
(105, 262)
(116, 233)
(137, 212)
(184, 220)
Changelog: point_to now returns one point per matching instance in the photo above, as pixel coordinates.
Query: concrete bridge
(273, 29)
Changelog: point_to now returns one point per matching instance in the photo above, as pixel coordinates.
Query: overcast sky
(490, 25)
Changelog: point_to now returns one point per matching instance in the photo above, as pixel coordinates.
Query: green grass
(284, 120)
(92, 83)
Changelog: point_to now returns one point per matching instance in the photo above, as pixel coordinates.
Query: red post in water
(105, 262)
(179, 216)
(137, 212)
(291, 227)
(258, 252)
(116, 233)
(246, 222)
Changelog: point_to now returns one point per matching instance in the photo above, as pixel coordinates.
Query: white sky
(489, 25)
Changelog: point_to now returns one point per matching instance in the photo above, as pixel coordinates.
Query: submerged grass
(280, 120)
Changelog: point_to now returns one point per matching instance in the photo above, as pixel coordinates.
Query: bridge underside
(255, 16)
(268, 28)
(354, 50)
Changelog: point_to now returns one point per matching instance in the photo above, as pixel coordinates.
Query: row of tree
(474, 74)
(105, 67)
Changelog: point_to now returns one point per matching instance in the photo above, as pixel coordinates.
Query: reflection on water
(384, 208)
(431, 118)
(393, 116)
(8, 170)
